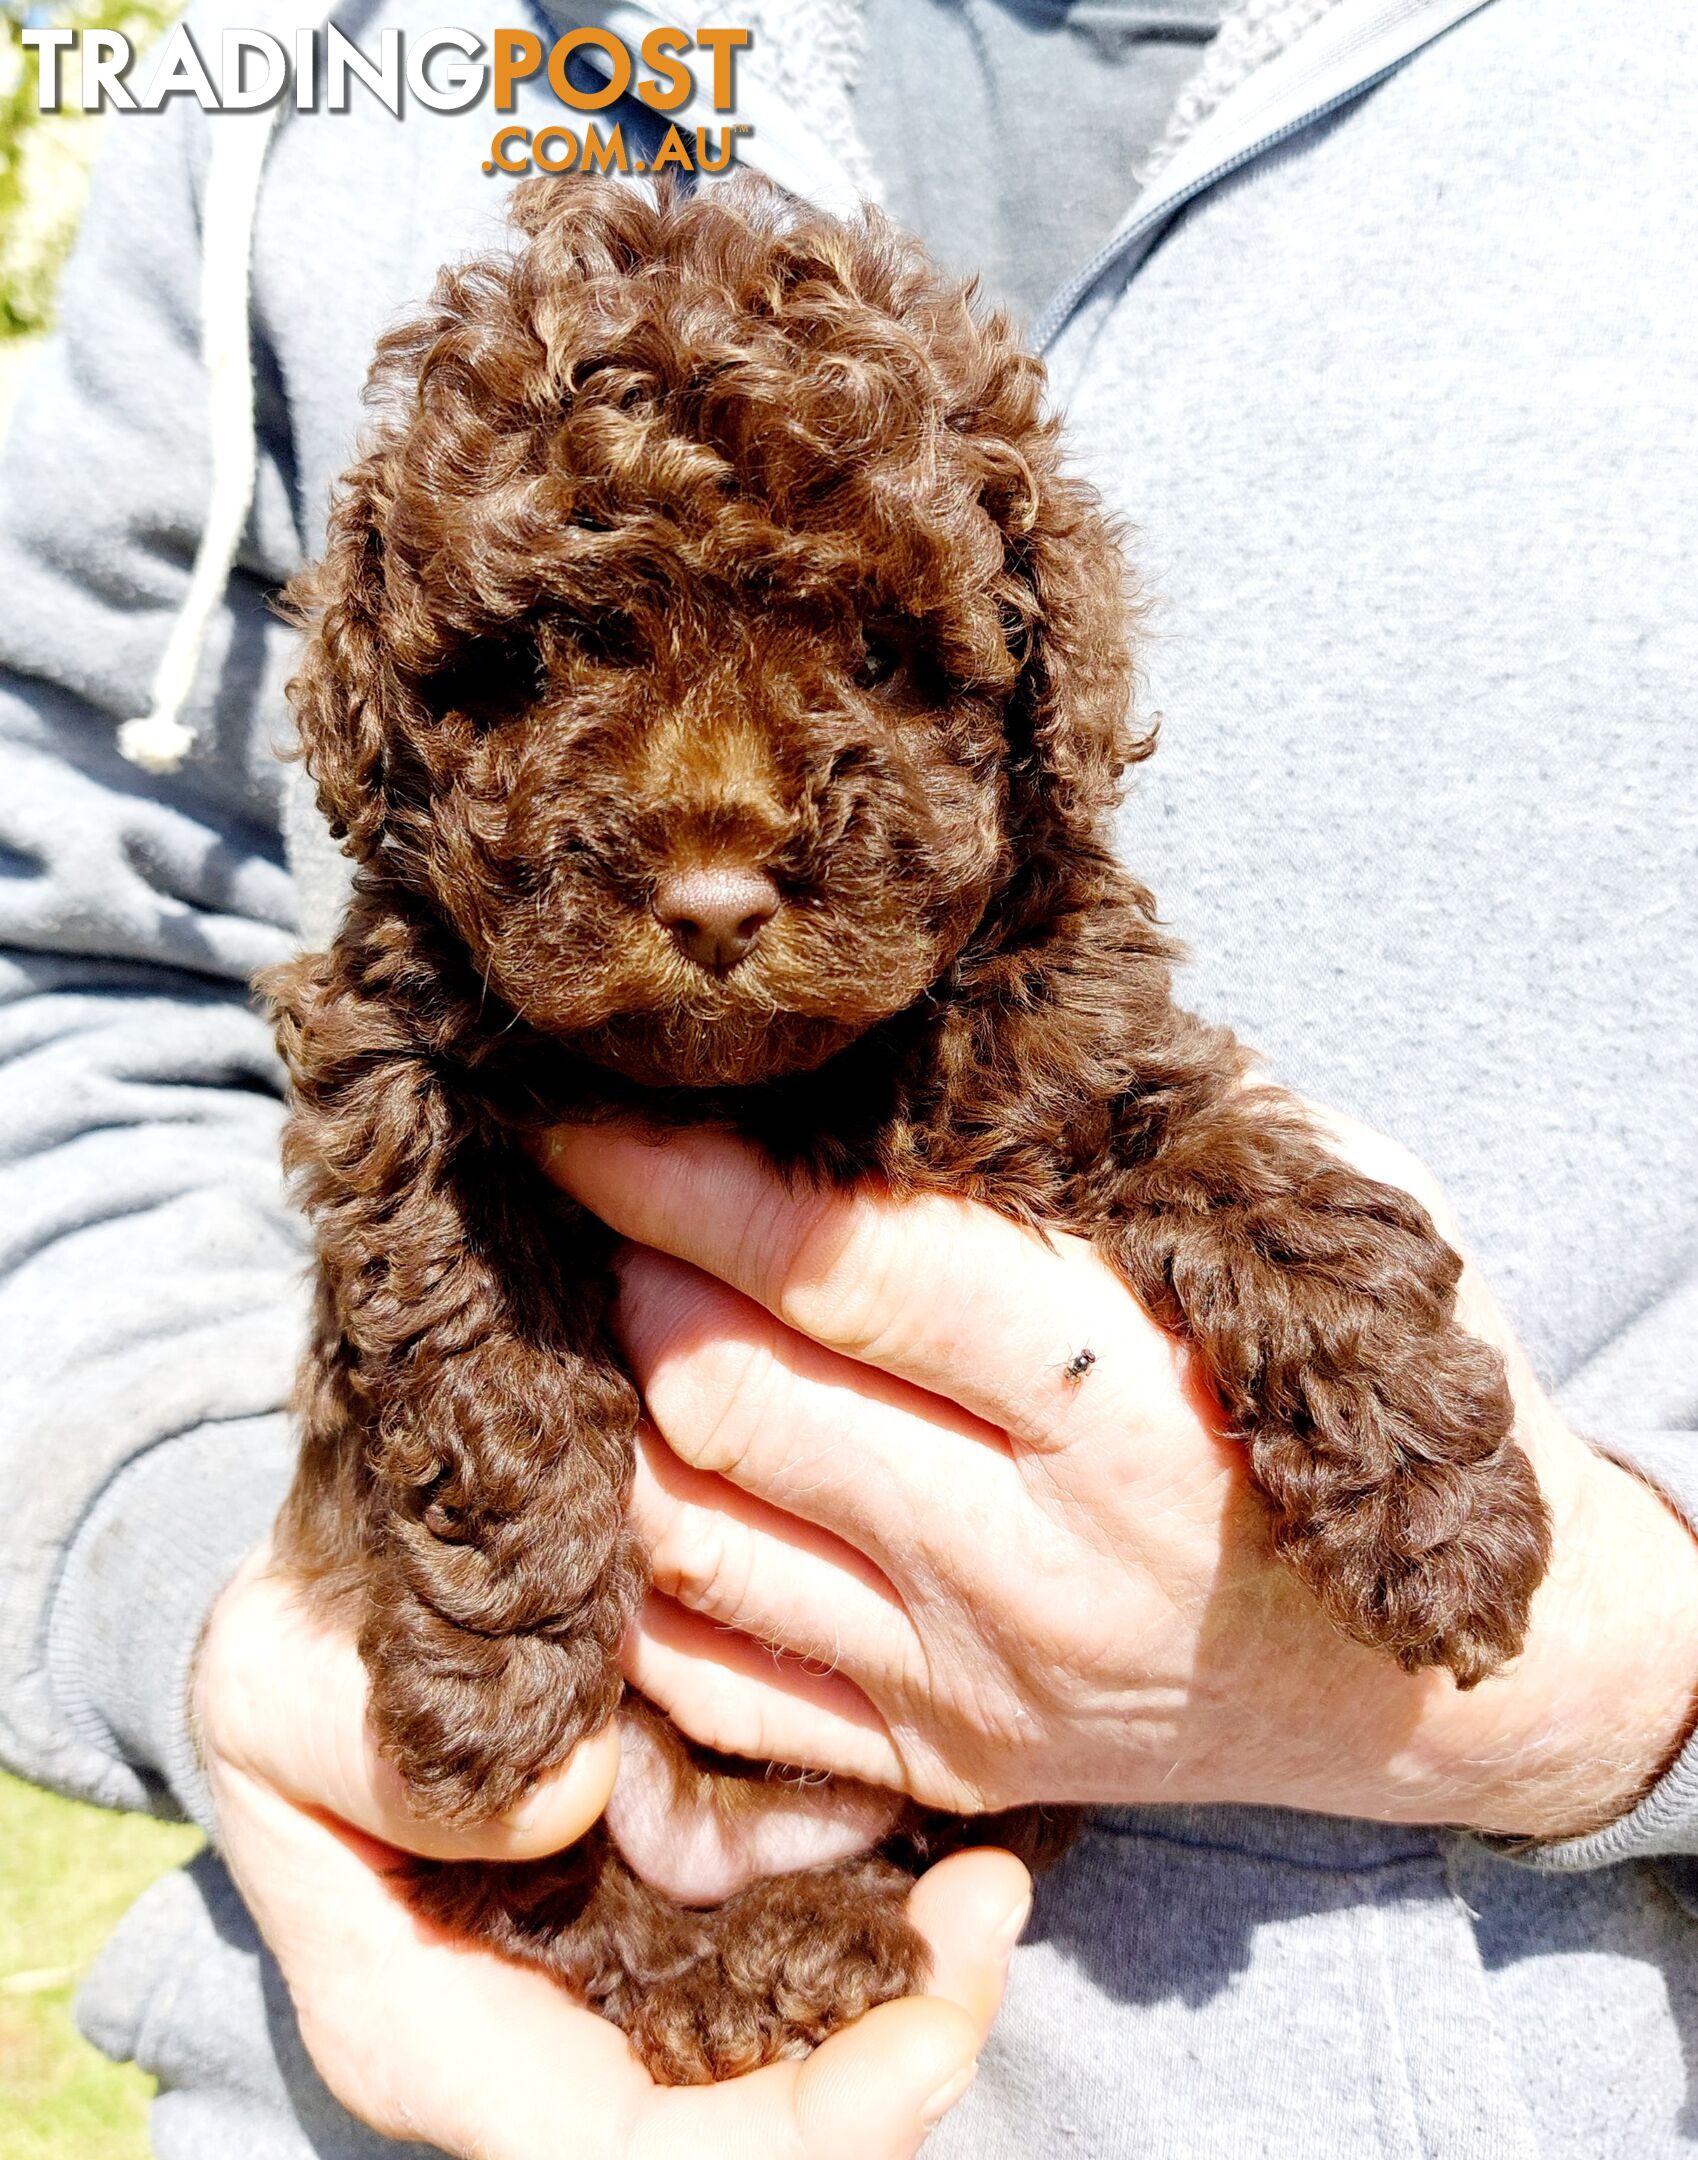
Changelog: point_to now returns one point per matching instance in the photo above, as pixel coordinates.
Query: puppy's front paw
(1467, 1601)
(470, 1720)
(1437, 1566)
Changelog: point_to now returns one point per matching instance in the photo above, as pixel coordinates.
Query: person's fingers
(917, 1287)
(871, 2092)
(971, 1909)
(875, 2089)
(729, 1692)
(844, 2108)
(917, 1485)
(375, 1991)
(745, 1564)
(860, 1455)
(282, 1694)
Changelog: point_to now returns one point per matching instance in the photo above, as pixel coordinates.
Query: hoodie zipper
(1343, 57)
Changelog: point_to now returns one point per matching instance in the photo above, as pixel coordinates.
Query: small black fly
(1078, 1365)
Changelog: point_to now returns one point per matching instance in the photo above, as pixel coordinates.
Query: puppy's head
(710, 635)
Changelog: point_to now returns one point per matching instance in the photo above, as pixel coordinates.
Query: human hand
(996, 1583)
(427, 2038)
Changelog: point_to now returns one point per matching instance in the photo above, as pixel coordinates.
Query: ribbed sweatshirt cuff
(162, 1539)
(1666, 1820)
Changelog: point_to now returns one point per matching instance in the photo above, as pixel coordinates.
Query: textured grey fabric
(1402, 417)
(148, 1560)
(183, 1990)
(958, 105)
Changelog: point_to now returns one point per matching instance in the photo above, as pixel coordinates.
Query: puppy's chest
(1027, 1139)
(1016, 1098)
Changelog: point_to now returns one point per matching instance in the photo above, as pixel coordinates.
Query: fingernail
(947, 2094)
(538, 1814)
(1013, 1927)
(531, 1814)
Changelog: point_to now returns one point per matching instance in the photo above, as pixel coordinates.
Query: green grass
(67, 1873)
(44, 160)
(44, 157)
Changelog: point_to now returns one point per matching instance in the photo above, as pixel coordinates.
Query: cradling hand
(933, 1502)
(437, 2040)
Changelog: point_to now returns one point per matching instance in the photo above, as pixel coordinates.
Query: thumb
(889, 2079)
(280, 1694)
(871, 2092)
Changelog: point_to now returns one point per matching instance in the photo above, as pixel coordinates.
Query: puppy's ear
(1071, 614)
(346, 697)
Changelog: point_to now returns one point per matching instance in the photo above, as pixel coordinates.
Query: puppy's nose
(716, 911)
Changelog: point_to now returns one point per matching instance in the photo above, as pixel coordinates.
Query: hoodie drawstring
(161, 739)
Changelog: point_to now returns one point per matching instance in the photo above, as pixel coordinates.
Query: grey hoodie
(1391, 370)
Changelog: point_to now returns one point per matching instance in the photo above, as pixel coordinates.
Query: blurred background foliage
(44, 159)
(67, 1873)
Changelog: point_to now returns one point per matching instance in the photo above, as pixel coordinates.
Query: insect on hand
(1078, 1365)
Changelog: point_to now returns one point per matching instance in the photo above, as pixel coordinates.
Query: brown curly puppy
(723, 691)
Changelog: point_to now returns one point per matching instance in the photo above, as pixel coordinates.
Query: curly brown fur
(703, 531)
(700, 1995)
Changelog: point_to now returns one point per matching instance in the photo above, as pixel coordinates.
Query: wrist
(1605, 1693)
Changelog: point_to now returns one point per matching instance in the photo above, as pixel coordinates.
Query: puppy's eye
(879, 661)
(491, 681)
(611, 641)
(1016, 631)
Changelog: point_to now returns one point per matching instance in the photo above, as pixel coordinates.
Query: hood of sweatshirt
(1274, 67)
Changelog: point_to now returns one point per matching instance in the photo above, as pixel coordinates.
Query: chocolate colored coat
(707, 539)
